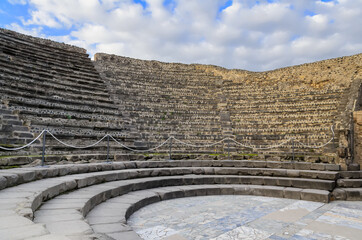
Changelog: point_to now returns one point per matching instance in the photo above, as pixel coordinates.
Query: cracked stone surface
(247, 217)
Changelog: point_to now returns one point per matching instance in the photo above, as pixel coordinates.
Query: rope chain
(167, 140)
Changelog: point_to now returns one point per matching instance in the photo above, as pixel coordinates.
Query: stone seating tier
(147, 101)
(36, 194)
(68, 71)
(27, 44)
(42, 80)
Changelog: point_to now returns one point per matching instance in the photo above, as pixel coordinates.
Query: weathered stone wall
(54, 86)
(357, 129)
(31, 41)
(49, 85)
(257, 108)
(163, 99)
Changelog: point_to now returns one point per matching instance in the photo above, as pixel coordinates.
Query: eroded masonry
(54, 86)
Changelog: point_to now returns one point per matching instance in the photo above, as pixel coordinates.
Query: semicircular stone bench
(26, 193)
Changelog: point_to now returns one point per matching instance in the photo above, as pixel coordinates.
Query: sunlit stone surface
(247, 217)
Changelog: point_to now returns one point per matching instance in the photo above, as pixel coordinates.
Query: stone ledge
(143, 198)
(12, 177)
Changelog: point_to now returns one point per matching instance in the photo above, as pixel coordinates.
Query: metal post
(228, 149)
(352, 139)
(170, 153)
(43, 154)
(107, 148)
(293, 147)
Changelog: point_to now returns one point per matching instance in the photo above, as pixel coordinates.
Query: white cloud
(35, 31)
(22, 2)
(245, 35)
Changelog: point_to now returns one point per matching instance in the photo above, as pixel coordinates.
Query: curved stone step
(85, 199)
(12, 177)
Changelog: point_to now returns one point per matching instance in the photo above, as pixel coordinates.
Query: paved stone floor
(247, 217)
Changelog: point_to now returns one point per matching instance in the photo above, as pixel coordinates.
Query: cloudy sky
(253, 35)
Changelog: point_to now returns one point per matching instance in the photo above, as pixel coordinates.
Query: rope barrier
(199, 146)
(170, 138)
(72, 146)
(309, 146)
(135, 150)
(27, 145)
(261, 148)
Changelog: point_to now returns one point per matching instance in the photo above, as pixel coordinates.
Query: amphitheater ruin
(148, 131)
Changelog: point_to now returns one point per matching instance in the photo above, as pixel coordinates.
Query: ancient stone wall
(53, 86)
(163, 99)
(357, 138)
(49, 85)
(33, 41)
(261, 109)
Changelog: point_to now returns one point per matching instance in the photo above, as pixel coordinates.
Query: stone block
(287, 165)
(123, 157)
(24, 176)
(293, 173)
(353, 194)
(110, 227)
(3, 182)
(315, 195)
(292, 193)
(130, 165)
(128, 235)
(318, 166)
(313, 184)
(274, 164)
(259, 164)
(242, 190)
(272, 191)
(226, 190)
(12, 179)
(332, 167)
(257, 190)
(339, 194)
(118, 166)
(303, 165)
(271, 181)
(285, 182)
(177, 193)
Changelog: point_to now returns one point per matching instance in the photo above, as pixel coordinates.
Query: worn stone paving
(247, 217)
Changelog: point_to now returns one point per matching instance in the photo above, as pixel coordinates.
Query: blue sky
(244, 34)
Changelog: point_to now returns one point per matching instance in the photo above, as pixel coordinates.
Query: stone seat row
(235, 109)
(195, 98)
(319, 128)
(15, 89)
(34, 65)
(57, 85)
(29, 48)
(32, 42)
(43, 76)
(105, 223)
(298, 103)
(281, 122)
(59, 114)
(268, 117)
(27, 101)
(132, 198)
(275, 92)
(280, 98)
(133, 69)
(36, 192)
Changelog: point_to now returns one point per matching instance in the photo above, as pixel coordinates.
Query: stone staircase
(55, 202)
(55, 86)
(13, 132)
(349, 186)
